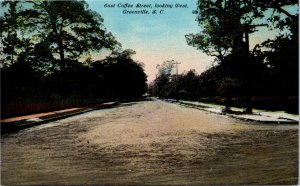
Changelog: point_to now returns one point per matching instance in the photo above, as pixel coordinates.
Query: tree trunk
(61, 55)
(249, 76)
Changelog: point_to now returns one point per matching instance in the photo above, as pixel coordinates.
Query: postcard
(149, 92)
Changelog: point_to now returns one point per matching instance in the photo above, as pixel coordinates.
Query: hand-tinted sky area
(160, 37)
(155, 37)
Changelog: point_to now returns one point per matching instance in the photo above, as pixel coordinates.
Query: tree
(281, 56)
(281, 53)
(276, 6)
(222, 27)
(225, 30)
(10, 23)
(226, 25)
(120, 76)
(188, 85)
(161, 85)
(69, 28)
(166, 68)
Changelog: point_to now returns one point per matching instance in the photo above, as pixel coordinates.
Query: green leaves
(73, 28)
(224, 23)
(68, 27)
(10, 40)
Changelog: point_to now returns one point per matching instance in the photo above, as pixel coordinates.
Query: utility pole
(176, 63)
(176, 88)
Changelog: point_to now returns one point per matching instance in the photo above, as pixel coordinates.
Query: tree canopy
(65, 29)
(241, 71)
(225, 23)
(47, 54)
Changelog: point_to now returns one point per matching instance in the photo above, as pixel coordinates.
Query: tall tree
(226, 25)
(69, 28)
(121, 76)
(225, 30)
(160, 86)
(10, 23)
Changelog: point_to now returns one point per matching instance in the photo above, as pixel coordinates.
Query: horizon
(159, 38)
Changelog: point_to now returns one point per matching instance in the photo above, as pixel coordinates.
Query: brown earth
(150, 142)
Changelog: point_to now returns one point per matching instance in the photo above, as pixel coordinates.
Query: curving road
(150, 142)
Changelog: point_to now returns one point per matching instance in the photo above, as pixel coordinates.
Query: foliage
(116, 77)
(224, 22)
(161, 84)
(65, 29)
(43, 45)
(222, 26)
(122, 77)
(242, 72)
(69, 28)
(10, 23)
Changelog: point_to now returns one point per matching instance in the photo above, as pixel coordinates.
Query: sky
(159, 37)
(156, 37)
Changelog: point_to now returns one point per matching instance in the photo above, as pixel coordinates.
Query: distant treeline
(117, 77)
(265, 76)
(47, 49)
(208, 87)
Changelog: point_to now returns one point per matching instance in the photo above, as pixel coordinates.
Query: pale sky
(155, 38)
(160, 37)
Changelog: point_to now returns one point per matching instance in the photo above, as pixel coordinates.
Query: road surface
(150, 142)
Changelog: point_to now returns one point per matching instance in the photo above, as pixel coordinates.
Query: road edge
(10, 127)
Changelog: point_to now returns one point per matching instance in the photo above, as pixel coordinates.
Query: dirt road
(150, 142)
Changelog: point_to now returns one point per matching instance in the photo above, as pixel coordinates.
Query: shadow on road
(131, 102)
